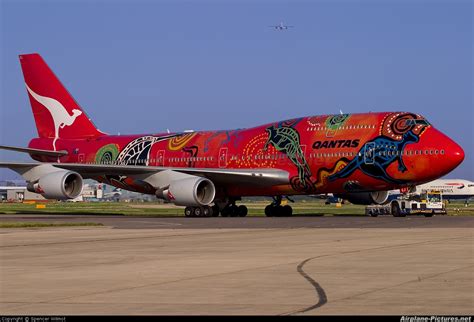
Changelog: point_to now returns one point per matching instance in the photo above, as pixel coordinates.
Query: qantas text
(336, 144)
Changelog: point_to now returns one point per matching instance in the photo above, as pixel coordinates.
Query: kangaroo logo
(60, 115)
(383, 154)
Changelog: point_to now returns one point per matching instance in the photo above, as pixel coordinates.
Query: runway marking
(321, 293)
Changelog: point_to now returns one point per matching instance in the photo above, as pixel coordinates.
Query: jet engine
(189, 191)
(365, 198)
(60, 185)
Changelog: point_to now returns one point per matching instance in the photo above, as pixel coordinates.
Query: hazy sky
(148, 66)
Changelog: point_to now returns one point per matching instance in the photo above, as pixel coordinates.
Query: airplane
(452, 189)
(360, 156)
(281, 26)
(113, 195)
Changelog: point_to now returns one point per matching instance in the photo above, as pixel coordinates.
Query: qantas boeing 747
(359, 157)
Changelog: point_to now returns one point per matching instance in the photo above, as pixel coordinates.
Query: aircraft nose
(453, 152)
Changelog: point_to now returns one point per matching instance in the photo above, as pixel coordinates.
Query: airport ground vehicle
(427, 204)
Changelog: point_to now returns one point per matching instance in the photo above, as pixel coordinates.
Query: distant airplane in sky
(359, 157)
(281, 26)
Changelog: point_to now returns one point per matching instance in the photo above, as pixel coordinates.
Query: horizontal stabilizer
(49, 153)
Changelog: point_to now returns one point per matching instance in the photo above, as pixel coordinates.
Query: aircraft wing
(218, 176)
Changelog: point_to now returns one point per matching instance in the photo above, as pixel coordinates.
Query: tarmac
(236, 266)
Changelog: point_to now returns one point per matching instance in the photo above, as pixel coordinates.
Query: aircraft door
(223, 157)
(160, 158)
(369, 153)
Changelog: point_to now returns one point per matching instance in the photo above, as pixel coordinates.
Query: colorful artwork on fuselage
(335, 121)
(139, 149)
(396, 131)
(324, 173)
(192, 152)
(176, 143)
(107, 154)
(396, 124)
(376, 155)
(287, 140)
(228, 136)
(253, 155)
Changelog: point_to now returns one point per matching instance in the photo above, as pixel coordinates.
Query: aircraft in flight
(281, 26)
(357, 156)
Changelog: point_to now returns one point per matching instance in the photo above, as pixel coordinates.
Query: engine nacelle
(365, 198)
(60, 185)
(190, 191)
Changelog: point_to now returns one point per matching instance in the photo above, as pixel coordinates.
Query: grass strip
(22, 224)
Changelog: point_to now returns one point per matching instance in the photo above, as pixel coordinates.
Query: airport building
(20, 194)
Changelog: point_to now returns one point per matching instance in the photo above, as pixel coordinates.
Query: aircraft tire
(373, 213)
(277, 211)
(242, 211)
(206, 211)
(287, 211)
(234, 211)
(188, 211)
(269, 211)
(225, 211)
(215, 211)
(198, 211)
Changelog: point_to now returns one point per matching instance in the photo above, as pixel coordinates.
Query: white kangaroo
(58, 112)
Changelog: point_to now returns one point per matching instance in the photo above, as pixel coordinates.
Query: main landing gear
(204, 211)
(275, 209)
(233, 210)
(228, 208)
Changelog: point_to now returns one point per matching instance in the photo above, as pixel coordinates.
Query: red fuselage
(322, 154)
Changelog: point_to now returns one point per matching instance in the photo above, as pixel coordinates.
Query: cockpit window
(411, 122)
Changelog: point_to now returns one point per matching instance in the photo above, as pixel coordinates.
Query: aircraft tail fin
(56, 113)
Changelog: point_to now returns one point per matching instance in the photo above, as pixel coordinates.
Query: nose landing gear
(275, 209)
